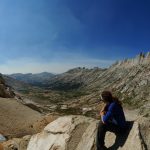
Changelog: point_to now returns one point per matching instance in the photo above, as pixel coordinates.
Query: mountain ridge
(128, 79)
(33, 79)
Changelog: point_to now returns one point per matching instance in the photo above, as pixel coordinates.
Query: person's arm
(102, 113)
(105, 117)
(104, 109)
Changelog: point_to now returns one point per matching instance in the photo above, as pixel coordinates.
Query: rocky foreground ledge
(76, 133)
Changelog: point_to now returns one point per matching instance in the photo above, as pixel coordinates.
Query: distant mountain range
(38, 79)
(128, 79)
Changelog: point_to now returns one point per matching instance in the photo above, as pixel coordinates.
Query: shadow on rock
(121, 138)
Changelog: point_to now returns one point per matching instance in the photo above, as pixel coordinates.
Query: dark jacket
(114, 114)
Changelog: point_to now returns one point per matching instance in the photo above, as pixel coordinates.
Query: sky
(57, 35)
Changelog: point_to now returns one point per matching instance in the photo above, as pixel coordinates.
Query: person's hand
(102, 113)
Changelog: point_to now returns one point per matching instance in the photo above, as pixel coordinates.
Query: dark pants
(102, 129)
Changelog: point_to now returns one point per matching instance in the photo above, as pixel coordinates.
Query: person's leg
(101, 136)
(119, 132)
(101, 132)
(113, 128)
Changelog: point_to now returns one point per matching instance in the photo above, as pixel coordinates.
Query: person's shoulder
(112, 105)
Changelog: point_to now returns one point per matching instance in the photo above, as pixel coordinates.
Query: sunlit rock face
(69, 132)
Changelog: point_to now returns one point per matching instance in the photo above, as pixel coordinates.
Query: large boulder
(77, 133)
(69, 132)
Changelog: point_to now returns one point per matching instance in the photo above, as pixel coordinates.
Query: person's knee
(101, 125)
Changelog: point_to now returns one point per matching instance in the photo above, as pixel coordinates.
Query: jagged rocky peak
(140, 59)
(77, 69)
(83, 69)
(147, 58)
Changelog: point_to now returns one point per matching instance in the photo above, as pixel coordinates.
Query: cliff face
(5, 91)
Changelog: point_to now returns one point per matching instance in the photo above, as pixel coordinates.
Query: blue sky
(56, 35)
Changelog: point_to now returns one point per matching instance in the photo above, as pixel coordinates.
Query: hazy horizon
(54, 72)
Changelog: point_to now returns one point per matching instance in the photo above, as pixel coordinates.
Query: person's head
(106, 97)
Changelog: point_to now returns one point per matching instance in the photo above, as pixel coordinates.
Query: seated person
(112, 119)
